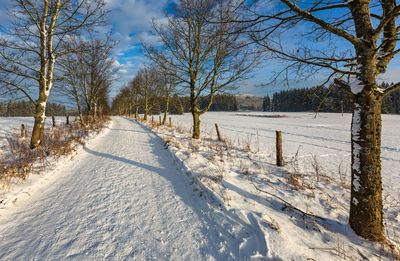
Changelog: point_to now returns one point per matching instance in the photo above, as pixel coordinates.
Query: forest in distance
(314, 99)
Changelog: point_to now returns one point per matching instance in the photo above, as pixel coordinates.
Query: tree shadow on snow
(305, 222)
(227, 235)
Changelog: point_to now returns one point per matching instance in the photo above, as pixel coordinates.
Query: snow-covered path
(121, 198)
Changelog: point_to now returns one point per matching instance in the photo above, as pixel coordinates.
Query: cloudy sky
(130, 22)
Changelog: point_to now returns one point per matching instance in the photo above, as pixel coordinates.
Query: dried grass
(19, 160)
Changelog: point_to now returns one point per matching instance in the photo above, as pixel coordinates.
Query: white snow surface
(121, 198)
(326, 136)
(126, 197)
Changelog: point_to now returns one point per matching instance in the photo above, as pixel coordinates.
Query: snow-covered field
(18, 189)
(300, 211)
(9, 125)
(125, 197)
(326, 136)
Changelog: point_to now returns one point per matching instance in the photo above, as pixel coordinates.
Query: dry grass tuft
(19, 160)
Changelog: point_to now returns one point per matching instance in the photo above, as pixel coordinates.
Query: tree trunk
(166, 108)
(38, 127)
(196, 123)
(78, 106)
(146, 109)
(95, 111)
(182, 110)
(366, 214)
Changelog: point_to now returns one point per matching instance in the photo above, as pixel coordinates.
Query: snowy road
(121, 198)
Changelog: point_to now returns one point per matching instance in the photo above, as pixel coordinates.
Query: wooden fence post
(23, 131)
(54, 120)
(67, 119)
(152, 119)
(279, 154)
(170, 122)
(159, 117)
(218, 133)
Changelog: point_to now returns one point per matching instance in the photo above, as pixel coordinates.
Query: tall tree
(201, 53)
(149, 83)
(31, 46)
(353, 42)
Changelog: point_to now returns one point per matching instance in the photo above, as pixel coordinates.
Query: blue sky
(131, 19)
(130, 22)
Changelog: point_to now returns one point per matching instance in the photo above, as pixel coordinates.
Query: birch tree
(352, 43)
(201, 54)
(31, 46)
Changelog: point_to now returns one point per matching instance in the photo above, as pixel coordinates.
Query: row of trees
(148, 92)
(86, 75)
(209, 45)
(27, 108)
(40, 35)
(322, 99)
(122, 105)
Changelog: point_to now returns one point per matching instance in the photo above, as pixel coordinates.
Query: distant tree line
(222, 102)
(27, 108)
(177, 104)
(322, 99)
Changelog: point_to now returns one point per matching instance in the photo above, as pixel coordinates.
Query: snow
(123, 197)
(20, 190)
(326, 136)
(356, 86)
(236, 175)
(355, 130)
(135, 194)
(356, 183)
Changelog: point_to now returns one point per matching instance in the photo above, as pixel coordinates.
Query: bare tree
(351, 42)
(201, 54)
(169, 88)
(32, 44)
(96, 72)
(148, 84)
(73, 75)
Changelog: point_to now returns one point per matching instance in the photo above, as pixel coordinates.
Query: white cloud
(131, 23)
(131, 19)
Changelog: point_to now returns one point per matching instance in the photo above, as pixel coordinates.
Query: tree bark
(196, 123)
(366, 214)
(146, 108)
(40, 118)
(137, 112)
(166, 108)
(81, 121)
